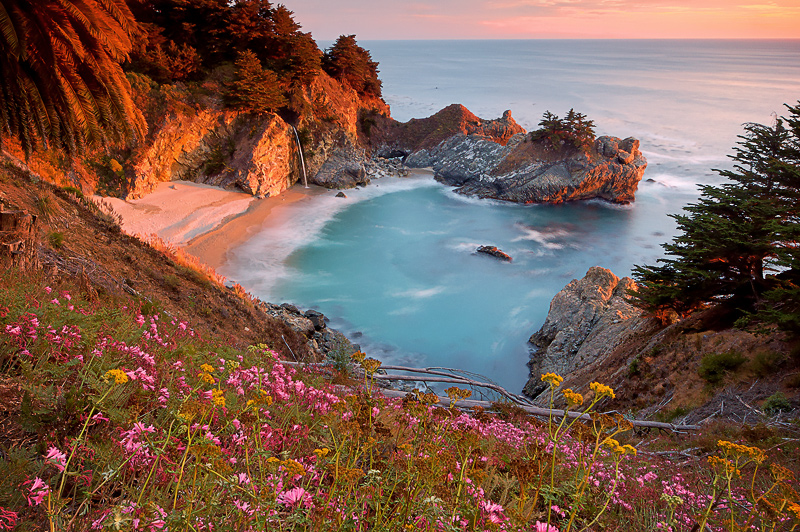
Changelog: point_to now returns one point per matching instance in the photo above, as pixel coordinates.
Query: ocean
(393, 265)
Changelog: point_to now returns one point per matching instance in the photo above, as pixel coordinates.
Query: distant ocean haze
(395, 261)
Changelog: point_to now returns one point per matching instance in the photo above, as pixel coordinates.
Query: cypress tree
(738, 233)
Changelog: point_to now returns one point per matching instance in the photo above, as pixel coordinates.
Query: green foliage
(776, 403)
(766, 363)
(56, 239)
(633, 367)
(254, 89)
(60, 78)
(78, 193)
(714, 366)
(352, 64)
(737, 233)
(573, 131)
(187, 40)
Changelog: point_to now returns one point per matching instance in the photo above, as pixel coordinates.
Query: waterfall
(302, 159)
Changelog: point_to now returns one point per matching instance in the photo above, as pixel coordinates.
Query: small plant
(56, 239)
(74, 191)
(172, 281)
(714, 366)
(633, 367)
(766, 362)
(776, 403)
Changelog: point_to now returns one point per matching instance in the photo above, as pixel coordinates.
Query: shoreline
(205, 221)
(209, 222)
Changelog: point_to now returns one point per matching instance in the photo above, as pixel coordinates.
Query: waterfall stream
(302, 159)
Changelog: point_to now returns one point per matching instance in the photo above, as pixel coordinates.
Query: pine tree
(737, 233)
(254, 89)
(348, 62)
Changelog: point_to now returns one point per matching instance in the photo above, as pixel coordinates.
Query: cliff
(257, 154)
(587, 320)
(522, 171)
(695, 369)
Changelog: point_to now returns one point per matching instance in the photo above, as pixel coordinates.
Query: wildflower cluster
(203, 436)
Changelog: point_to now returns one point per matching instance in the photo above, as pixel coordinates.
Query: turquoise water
(393, 265)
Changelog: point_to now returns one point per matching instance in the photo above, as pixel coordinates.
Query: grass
(126, 420)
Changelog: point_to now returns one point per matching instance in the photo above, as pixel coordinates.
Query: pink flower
(544, 527)
(293, 497)
(37, 492)
(56, 457)
(8, 519)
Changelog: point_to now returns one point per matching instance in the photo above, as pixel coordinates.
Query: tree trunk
(18, 240)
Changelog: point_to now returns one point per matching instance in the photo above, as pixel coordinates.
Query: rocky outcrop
(588, 319)
(256, 155)
(494, 252)
(523, 172)
(389, 138)
(259, 154)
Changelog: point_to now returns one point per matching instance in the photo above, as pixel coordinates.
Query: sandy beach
(206, 221)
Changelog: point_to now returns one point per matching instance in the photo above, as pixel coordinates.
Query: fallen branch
(538, 411)
(441, 376)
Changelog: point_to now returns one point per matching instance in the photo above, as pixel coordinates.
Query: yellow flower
(358, 356)
(118, 375)
(272, 460)
(752, 453)
(293, 468)
(601, 390)
(371, 365)
(611, 443)
(552, 379)
(795, 509)
(573, 398)
(322, 452)
(218, 398)
(208, 368)
(630, 449)
(205, 377)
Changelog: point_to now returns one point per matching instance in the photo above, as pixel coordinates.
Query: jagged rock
(317, 318)
(341, 195)
(389, 138)
(588, 319)
(343, 169)
(291, 308)
(521, 172)
(494, 252)
(257, 155)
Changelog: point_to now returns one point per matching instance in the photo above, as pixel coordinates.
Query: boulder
(494, 252)
(587, 320)
(317, 318)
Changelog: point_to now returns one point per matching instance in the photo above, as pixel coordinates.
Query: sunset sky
(531, 19)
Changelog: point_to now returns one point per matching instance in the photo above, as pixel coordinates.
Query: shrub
(776, 403)
(766, 362)
(56, 239)
(714, 366)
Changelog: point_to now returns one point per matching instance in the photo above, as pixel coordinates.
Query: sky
(548, 19)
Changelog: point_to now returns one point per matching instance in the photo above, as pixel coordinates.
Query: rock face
(226, 149)
(389, 138)
(259, 154)
(522, 172)
(587, 320)
(494, 252)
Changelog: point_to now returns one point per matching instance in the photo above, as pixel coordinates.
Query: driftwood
(436, 375)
